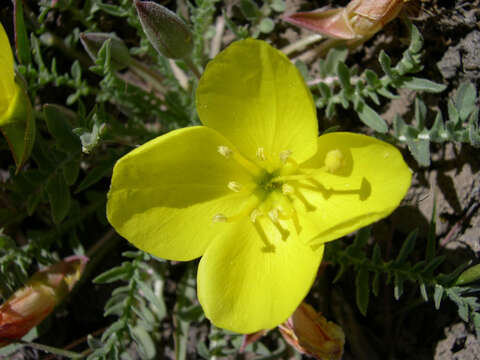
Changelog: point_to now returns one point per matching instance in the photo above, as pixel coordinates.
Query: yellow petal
(254, 96)
(364, 180)
(7, 75)
(245, 286)
(165, 193)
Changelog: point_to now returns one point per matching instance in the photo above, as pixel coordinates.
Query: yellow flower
(16, 118)
(10, 91)
(254, 191)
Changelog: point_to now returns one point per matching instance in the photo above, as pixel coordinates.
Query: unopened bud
(168, 34)
(310, 333)
(356, 22)
(120, 56)
(28, 306)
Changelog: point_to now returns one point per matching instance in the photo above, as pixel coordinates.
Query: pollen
(225, 151)
(255, 214)
(261, 154)
(219, 218)
(334, 161)
(284, 155)
(287, 189)
(234, 186)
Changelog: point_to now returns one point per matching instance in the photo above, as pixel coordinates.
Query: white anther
(219, 218)
(287, 189)
(273, 214)
(261, 154)
(234, 186)
(254, 215)
(225, 151)
(284, 155)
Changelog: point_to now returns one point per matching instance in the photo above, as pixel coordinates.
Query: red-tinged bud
(310, 333)
(357, 22)
(28, 306)
(120, 56)
(168, 34)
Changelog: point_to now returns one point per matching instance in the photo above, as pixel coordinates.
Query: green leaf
(465, 100)
(419, 84)
(407, 247)
(157, 301)
(266, 25)
(278, 5)
(416, 39)
(59, 120)
(370, 118)
(476, 324)
(334, 57)
(433, 264)
(420, 150)
(302, 67)
(420, 113)
(437, 296)
(96, 174)
(144, 342)
(362, 290)
(470, 275)
(372, 78)
(21, 39)
(423, 291)
(344, 76)
(115, 274)
(59, 197)
(250, 10)
(71, 169)
(386, 64)
(398, 287)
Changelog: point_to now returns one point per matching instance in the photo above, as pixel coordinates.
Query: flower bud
(310, 333)
(16, 118)
(28, 306)
(168, 34)
(357, 22)
(120, 56)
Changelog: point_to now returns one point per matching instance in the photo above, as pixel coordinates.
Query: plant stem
(191, 66)
(301, 44)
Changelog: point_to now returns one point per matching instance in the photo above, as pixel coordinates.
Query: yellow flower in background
(16, 119)
(9, 89)
(254, 191)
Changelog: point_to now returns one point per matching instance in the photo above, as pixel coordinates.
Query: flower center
(275, 194)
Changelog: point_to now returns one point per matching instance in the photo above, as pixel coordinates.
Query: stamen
(234, 186)
(273, 215)
(251, 167)
(284, 155)
(261, 154)
(225, 151)
(254, 215)
(287, 189)
(308, 206)
(334, 161)
(219, 218)
(268, 246)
